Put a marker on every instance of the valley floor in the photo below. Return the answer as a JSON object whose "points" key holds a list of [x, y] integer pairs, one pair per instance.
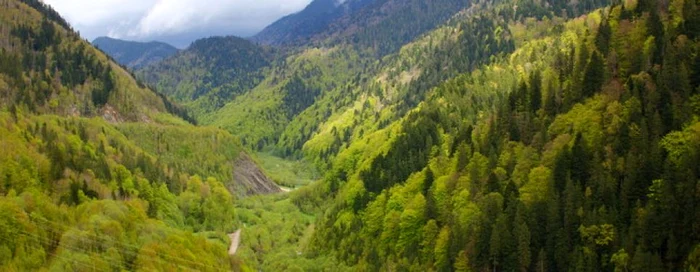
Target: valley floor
{"points": [[289, 174], [274, 232]]}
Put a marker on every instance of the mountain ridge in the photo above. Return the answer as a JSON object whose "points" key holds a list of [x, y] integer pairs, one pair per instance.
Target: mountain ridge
{"points": [[135, 55], [297, 28], [210, 72]]}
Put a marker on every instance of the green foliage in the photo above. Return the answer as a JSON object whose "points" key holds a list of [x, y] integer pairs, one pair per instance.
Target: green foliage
{"points": [[506, 139], [178, 147], [105, 234], [385, 26], [562, 167], [47, 12], [210, 73], [81, 195], [260, 116], [288, 173], [50, 69], [276, 236]]}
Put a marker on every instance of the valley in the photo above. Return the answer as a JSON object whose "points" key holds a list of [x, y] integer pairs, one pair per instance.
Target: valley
{"points": [[358, 135]]}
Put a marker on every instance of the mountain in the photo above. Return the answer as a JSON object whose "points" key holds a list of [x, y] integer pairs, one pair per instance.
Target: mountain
{"points": [[498, 135], [299, 74], [380, 26], [98, 172], [50, 70], [555, 136], [299, 27], [211, 72], [134, 55], [563, 152], [384, 26]]}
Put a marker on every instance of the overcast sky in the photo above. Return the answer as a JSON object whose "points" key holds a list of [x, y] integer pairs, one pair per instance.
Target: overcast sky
{"points": [[178, 22]]}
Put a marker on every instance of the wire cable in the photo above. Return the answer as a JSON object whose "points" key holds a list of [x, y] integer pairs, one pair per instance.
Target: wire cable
{"points": [[112, 261], [136, 250]]}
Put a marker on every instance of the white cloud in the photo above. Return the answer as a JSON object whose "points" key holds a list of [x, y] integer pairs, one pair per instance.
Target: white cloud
{"points": [[175, 21]]}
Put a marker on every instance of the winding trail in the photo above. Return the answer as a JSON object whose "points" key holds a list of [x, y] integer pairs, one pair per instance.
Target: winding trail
{"points": [[235, 241]]}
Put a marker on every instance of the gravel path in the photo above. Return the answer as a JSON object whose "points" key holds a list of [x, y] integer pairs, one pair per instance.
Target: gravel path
{"points": [[235, 241]]}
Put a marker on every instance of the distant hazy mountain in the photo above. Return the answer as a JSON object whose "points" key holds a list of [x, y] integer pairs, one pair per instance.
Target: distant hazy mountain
{"points": [[135, 54], [299, 27]]}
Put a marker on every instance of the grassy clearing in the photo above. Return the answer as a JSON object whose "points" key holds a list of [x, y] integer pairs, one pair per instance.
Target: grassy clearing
{"points": [[288, 173]]}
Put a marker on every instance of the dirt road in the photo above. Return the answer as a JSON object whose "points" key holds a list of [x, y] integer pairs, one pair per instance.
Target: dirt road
{"points": [[235, 241]]}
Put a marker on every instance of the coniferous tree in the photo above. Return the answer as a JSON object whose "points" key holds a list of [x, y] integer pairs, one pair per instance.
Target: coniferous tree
{"points": [[535, 91], [594, 76]]}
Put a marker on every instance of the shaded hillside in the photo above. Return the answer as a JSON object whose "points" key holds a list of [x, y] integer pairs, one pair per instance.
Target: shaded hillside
{"points": [[384, 26], [300, 27], [380, 26], [210, 72], [134, 55], [297, 82]]}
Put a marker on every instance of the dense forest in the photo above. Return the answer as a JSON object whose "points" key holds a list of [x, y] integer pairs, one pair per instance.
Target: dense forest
{"points": [[211, 72], [575, 152], [498, 135], [97, 172]]}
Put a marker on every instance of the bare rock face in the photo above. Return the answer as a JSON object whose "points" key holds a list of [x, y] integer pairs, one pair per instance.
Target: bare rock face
{"points": [[250, 179], [111, 115]]}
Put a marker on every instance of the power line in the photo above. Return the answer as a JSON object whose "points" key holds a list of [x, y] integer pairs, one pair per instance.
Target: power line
{"points": [[135, 249], [42, 239], [112, 261]]}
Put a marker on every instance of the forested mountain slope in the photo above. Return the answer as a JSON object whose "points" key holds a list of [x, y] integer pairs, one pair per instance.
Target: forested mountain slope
{"points": [[49, 69], [211, 72], [304, 75], [368, 94], [450, 135], [549, 137], [376, 26], [96, 173], [349, 64], [541, 138], [574, 152], [189, 76], [384, 26], [134, 54]]}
